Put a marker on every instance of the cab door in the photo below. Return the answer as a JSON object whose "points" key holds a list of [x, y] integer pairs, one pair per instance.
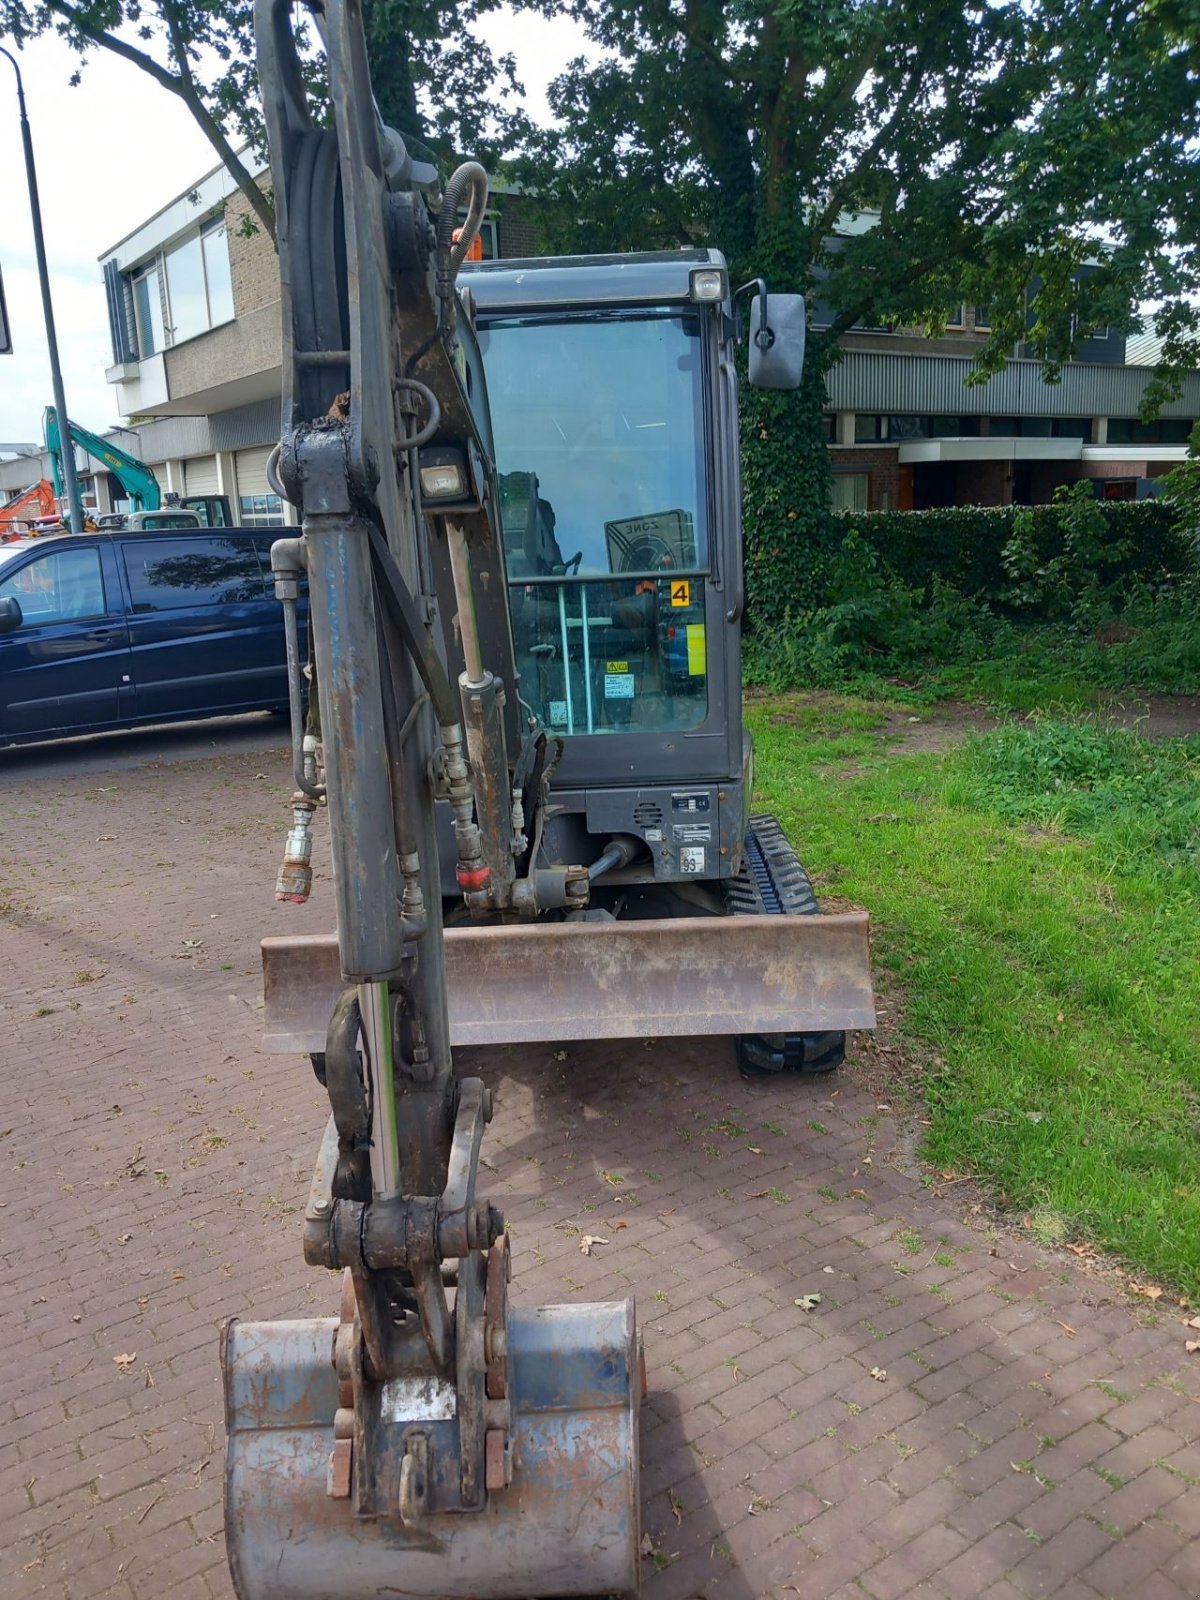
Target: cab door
{"points": [[62, 668]]}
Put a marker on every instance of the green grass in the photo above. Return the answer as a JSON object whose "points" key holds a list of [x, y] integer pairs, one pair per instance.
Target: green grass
{"points": [[1034, 898]]}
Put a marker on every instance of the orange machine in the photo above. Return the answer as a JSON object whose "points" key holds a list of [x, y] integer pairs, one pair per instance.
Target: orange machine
{"points": [[24, 507]]}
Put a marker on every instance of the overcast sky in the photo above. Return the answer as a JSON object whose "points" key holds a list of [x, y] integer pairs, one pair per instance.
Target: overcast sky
{"points": [[109, 154]]}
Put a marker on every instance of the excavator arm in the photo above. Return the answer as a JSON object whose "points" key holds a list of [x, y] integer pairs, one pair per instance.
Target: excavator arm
{"points": [[37, 501], [135, 477], [427, 1441]]}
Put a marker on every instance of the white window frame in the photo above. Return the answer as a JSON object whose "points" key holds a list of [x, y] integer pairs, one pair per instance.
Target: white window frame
{"points": [[147, 269], [157, 264]]}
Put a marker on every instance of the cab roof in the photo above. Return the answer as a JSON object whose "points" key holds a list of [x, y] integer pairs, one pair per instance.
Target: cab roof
{"points": [[648, 277]]}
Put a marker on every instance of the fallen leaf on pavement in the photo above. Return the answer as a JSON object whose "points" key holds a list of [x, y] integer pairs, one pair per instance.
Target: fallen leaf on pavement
{"points": [[808, 1302], [879, 1374], [124, 1362], [1191, 1346], [588, 1240]]}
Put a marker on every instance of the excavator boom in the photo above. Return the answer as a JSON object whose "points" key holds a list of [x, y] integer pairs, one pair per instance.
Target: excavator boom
{"points": [[426, 1441], [135, 477]]}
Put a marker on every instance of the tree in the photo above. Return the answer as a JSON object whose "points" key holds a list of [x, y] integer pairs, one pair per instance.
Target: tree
{"points": [[995, 148], [173, 42], [894, 157], [435, 81]]}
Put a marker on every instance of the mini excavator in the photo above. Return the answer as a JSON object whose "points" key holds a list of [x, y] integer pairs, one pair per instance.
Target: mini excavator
{"points": [[521, 547]]}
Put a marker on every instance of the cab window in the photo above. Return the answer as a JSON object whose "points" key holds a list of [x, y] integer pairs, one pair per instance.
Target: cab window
{"points": [[60, 586]]}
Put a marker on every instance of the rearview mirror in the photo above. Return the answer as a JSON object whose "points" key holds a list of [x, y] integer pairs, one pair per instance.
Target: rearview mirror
{"points": [[777, 324], [11, 615]]}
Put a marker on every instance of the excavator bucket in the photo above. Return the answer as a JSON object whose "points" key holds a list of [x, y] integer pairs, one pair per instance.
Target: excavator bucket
{"points": [[608, 980], [565, 1524]]}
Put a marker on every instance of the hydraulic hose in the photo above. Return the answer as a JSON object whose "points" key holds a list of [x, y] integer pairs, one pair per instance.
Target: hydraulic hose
{"points": [[618, 852], [470, 176]]}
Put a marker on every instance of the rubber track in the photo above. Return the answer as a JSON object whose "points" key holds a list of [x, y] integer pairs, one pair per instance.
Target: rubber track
{"points": [[772, 882]]}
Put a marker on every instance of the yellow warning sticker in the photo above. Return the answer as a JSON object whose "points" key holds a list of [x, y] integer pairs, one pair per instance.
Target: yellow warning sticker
{"points": [[616, 666], [697, 661], [681, 594]]}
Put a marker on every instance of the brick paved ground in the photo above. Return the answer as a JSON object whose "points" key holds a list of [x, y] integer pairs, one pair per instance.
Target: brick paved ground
{"points": [[156, 1163]]}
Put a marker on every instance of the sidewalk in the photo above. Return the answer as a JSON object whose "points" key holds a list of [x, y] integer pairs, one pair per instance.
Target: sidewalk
{"points": [[945, 1423]]}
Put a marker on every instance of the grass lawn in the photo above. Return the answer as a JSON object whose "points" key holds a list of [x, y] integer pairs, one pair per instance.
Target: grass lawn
{"points": [[1034, 895]]}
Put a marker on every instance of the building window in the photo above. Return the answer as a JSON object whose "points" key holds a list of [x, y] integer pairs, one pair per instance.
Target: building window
{"points": [[1071, 428], [198, 290], [199, 287], [983, 320], [869, 429], [1167, 430], [851, 491], [147, 308], [488, 235], [957, 318], [260, 511], [953, 427], [214, 241], [829, 423]]}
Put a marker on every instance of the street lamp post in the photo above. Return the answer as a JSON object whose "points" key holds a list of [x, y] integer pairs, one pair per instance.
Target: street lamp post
{"points": [[67, 449]]}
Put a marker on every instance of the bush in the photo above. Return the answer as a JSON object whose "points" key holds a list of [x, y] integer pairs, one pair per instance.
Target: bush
{"points": [[1042, 603], [962, 548]]}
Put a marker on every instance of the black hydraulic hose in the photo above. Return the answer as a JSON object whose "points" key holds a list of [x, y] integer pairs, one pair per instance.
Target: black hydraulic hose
{"points": [[618, 852]]}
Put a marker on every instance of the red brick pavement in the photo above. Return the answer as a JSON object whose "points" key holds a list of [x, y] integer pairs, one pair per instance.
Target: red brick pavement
{"points": [[156, 1164]]}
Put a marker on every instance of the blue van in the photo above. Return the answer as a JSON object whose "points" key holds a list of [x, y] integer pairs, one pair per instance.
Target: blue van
{"points": [[115, 630]]}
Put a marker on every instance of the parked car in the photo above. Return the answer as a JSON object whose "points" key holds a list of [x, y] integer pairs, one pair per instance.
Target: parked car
{"points": [[114, 630]]}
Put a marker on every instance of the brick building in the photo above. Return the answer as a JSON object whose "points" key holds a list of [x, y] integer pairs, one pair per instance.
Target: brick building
{"points": [[906, 431], [193, 297]]}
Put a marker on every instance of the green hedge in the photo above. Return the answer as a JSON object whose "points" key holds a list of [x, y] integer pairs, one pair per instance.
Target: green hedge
{"points": [[793, 571]]}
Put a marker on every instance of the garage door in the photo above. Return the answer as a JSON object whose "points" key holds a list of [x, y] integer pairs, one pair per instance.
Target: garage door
{"points": [[200, 475], [257, 506], [252, 470]]}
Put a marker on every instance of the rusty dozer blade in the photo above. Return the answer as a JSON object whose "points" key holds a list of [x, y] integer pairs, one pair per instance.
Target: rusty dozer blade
{"points": [[607, 980], [566, 1525]]}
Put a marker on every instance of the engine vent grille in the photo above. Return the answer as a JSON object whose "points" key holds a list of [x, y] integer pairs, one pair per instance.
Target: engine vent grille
{"points": [[647, 814]]}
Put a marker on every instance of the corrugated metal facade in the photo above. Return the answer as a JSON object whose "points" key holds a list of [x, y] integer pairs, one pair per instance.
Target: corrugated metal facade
{"points": [[912, 385], [172, 439], [245, 426]]}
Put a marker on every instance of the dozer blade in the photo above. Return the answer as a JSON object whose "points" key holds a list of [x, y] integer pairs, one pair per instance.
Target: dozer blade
{"points": [[567, 1523], [607, 980]]}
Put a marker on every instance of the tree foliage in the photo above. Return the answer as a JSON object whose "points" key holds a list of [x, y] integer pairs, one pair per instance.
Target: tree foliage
{"points": [[894, 159], [435, 80], [995, 148]]}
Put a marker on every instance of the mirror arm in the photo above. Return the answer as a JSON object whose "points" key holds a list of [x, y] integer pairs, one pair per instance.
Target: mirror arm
{"points": [[764, 338]]}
